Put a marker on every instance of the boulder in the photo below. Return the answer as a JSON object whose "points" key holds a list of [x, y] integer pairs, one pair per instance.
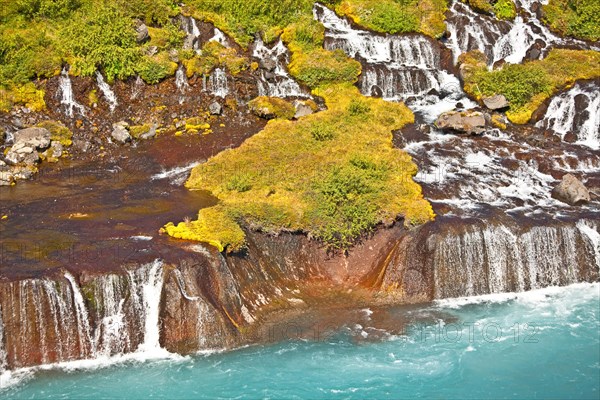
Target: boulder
{"points": [[495, 102], [302, 109], [570, 137], [56, 149], [268, 64], [571, 190], [22, 153], [6, 178], [215, 108], [37, 138], [142, 34], [23, 173], [150, 134], [120, 132], [471, 122]]}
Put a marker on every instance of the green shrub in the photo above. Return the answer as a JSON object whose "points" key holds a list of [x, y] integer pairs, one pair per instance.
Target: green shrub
{"points": [[578, 18], [397, 16], [240, 182], [505, 9], [52, 9], [322, 132], [102, 38], [358, 107], [272, 107], [156, 68]]}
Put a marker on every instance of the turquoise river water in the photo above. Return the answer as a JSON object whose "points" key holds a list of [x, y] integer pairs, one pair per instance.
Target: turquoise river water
{"points": [[540, 344]]}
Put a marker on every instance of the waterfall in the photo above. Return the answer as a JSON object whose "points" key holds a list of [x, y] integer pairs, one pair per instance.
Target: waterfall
{"points": [[3, 360], [146, 288], [61, 320], [112, 335], [82, 318], [67, 97], [590, 230], [190, 27], [219, 37], [182, 83], [578, 111], [495, 259], [395, 67], [106, 90], [501, 40], [217, 83], [275, 82], [137, 88]]}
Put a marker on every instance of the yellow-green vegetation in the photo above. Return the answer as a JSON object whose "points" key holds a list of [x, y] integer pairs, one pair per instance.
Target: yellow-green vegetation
{"points": [[334, 175], [242, 19], [93, 97], [502, 9], [27, 95], [211, 227], [272, 107], [138, 130], [59, 132], [214, 55], [498, 121], [578, 18], [526, 86], [196, 125], [38, 36], [153, 69], [397, 16]]}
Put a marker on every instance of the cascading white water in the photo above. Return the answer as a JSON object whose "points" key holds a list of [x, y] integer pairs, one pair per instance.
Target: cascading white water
{"points": [[137, 88], [397, 67], [106, 90], [146, 288], [500, 40], [218, 84], [190, 27], [112, 334], [3, 359], [182, 83], [276, 83], [219, 37], [67, 96], [86, 345], [576, 110], [496, 259], [590, 230]]}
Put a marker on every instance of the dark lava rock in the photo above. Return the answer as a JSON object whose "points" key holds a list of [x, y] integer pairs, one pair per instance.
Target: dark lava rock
{"points": [[570, 137]]}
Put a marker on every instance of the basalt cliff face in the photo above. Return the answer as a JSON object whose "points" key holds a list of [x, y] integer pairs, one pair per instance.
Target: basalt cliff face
{"points": [[114, 286], [209, 301]]}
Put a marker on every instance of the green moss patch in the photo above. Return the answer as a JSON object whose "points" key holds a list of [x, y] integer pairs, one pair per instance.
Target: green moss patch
{"points": [[59, 132], [272, 107]]}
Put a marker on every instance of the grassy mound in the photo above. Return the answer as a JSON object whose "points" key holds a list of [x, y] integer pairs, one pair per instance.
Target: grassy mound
{"points": [[528, 85], [397, 16], [333, 175], [579, 18], [502, 9]]}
